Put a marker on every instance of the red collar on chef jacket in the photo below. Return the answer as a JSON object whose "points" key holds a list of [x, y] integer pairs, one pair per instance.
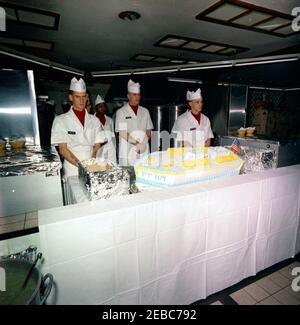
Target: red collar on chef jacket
{"points": [[197, 117], [102, 118], [134, 108], [80, 115]]}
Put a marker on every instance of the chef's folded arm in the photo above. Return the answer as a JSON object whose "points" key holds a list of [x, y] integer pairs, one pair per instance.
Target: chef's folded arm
{"points": [[126, 136]]}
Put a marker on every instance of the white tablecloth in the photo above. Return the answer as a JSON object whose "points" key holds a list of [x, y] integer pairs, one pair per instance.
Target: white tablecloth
{"points": [[172, 246], [75, 193]]}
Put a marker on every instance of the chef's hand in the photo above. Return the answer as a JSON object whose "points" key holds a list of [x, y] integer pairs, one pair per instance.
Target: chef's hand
{"points": [[140, 148]]}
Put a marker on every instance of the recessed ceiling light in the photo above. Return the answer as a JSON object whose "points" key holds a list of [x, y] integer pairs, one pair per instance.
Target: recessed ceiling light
{"points": [[129, 15]]}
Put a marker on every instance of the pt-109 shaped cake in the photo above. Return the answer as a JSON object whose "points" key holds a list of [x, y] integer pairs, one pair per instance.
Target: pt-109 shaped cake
{"points": [[181, 166]]}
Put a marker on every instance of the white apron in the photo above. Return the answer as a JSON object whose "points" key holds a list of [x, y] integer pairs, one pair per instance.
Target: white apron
{"points": [[80, 140], [136, 126]]}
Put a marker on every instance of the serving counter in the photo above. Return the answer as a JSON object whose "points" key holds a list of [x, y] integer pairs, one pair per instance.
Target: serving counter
{"points": [[171, 246], [29, 180]]}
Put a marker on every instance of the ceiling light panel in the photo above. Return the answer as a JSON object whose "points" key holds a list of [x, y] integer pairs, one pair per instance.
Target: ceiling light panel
{"points": [[226, 12], [163, 60], [213, 48], [144, 58], [199, 46], [35, 18], [228, 51], [39, 45], [173, 42], [27, 43], [273, 23], [252, 18], [23, 15], [245, 15], [11, 41], [285, 30], [194, 45]]}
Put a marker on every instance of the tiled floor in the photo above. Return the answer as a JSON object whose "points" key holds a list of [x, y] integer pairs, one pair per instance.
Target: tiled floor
{"points": [[18, 223], [269, 287]]}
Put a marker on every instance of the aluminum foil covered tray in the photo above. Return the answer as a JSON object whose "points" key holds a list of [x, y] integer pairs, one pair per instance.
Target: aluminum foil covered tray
{"points": [[257, 160], [29, 161], [102, 180]]}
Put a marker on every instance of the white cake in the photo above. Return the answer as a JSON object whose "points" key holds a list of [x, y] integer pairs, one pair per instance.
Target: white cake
{"points": [[181, 166]]}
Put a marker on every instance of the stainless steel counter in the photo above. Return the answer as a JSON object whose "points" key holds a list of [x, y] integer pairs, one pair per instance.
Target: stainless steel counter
{"points": [[29, 180], [29, 161], [287, 150]]}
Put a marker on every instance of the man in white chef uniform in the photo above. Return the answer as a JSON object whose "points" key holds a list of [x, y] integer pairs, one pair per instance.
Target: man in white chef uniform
{"points": [[77, 134], [192, 128], [108, 149], [134, 125]]}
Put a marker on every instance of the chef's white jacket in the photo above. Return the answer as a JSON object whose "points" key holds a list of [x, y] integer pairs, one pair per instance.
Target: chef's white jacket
{"points": [[108, 151], [136, 126], [80, 140], [187, 128]]}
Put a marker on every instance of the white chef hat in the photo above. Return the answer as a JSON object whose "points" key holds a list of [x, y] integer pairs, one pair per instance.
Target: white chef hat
{"points": [[78, 85], [99, 100], [133, 87], [193, 95]]}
